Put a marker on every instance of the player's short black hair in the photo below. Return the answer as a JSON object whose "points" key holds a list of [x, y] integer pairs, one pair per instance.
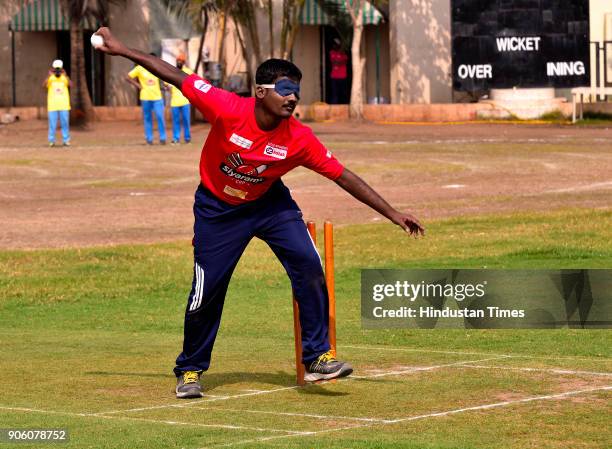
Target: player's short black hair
{"points": [[271, 69]]}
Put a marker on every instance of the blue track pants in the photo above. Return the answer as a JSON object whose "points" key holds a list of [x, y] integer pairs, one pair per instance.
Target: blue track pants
{"points": [[181, 113], [221, 234], [64, 119], [150, 108]]}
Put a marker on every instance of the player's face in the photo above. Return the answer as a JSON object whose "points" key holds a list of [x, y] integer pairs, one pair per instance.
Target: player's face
{"points": [[279, 105]]}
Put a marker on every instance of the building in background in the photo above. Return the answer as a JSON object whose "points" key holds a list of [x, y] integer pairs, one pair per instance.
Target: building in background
{"points": [[407, 44]]}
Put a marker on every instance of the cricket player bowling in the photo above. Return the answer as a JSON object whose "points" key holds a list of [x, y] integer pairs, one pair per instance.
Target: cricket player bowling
{"points": [[252, 143]]}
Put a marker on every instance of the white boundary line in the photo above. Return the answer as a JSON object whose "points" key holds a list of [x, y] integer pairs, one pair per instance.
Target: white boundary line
{"points": [[548, 370], [155, 421], [434, 351], [428, 415]]}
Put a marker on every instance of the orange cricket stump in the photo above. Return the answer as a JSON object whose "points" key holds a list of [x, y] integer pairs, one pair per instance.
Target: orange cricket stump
{"points": [[328, 237]]}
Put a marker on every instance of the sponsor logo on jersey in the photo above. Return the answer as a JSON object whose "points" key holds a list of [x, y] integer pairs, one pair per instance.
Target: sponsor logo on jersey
{"points": [[329, 154], [276, 151], [202, 86], [241, 141], [235, 192], [242, 172]]}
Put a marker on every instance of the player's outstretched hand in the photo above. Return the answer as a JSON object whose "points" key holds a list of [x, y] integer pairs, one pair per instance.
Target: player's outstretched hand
{"points": [[409, 223], [112, 45]]}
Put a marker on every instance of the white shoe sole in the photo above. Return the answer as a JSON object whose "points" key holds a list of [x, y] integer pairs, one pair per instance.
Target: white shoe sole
{"points": [[189, 395], [344, 371]]}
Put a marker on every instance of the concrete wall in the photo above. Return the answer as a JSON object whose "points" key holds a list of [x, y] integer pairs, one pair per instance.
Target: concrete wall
{"points": [[34, 53], [7, 9], [420, 46], [307, 56], [598, 10]]}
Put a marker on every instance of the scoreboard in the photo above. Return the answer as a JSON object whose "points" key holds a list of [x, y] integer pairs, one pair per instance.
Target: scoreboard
{"points": [[519, 43]]}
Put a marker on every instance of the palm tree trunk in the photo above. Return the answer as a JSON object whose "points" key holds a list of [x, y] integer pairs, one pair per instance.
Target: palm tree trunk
{"points": [[271, 27], [284, 28], [221, 59], [201, 46], [293, 20], [82, 107], [249, 70]]}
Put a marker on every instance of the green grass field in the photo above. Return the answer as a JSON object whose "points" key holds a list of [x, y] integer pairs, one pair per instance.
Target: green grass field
{"points": [[89, 338]]}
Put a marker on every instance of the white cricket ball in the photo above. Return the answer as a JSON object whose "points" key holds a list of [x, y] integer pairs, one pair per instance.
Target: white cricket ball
{"points": [[96, 40]]}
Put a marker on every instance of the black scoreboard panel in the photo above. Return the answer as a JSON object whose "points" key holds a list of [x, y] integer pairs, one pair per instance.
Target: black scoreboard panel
{"points": [[520, 43]]}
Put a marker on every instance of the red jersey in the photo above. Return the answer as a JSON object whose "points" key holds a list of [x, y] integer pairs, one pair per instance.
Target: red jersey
{"points": [[240, 161]]}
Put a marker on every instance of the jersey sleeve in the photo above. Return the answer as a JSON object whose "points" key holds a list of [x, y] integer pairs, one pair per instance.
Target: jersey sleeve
{"points": [[211, 101], [134, 72], [320, 159]]}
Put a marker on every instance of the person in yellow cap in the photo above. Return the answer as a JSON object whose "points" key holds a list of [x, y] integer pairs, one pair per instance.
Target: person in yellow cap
{"points": [[57, 84], [181, 109], [151, 100]]}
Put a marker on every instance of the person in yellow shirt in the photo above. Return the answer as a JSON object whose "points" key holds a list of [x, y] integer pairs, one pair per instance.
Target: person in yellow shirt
{"points": [[151, 100], [57, 84], [180, 107]]}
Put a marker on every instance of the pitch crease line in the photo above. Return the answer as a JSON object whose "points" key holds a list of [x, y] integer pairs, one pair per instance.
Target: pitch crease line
{"points": [[504, 403], [204, 400], [434, 351], [425, 416], [549, 370], [423, 368]]}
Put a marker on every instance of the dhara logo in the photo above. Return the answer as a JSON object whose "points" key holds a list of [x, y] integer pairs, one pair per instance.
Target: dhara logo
{"points": [[275, 151], [202, 86]]}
